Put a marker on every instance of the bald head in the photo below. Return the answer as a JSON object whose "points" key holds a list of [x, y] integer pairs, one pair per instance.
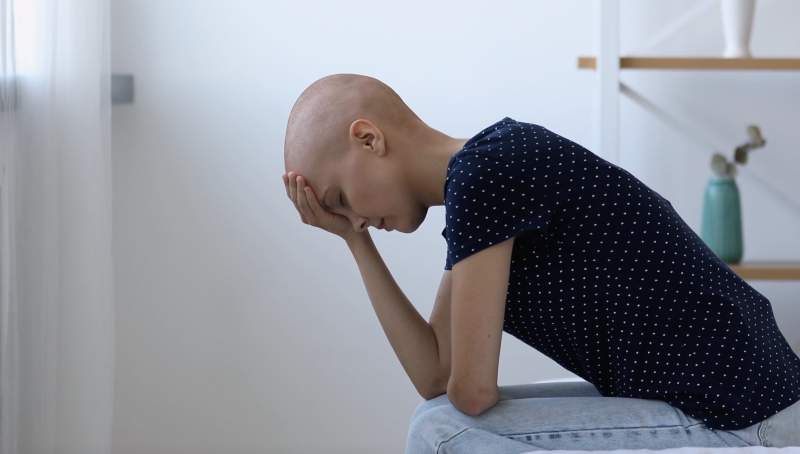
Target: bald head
{"points": [[319, 124]]}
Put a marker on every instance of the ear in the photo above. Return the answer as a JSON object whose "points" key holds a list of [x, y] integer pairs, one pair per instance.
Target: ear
{"points": [[366, 136]]}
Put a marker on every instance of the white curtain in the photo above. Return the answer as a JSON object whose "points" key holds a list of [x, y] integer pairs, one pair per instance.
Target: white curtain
{"points": [[56, 277]]}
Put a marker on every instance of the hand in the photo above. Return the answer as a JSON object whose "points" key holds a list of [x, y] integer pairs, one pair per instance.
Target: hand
{"points": [[311, 212]]}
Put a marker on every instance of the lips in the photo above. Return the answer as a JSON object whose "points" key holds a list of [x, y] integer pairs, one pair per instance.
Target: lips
{"points": [[382, 225]]}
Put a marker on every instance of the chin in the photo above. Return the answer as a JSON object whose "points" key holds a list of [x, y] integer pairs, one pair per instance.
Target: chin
{"points": [[416, 221]]}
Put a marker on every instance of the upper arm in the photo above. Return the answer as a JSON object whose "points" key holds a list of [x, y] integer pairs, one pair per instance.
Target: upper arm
{"points": [[479, 289]]}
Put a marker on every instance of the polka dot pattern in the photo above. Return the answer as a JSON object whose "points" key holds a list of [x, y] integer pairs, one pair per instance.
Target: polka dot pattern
{"points": [[608, 280]]}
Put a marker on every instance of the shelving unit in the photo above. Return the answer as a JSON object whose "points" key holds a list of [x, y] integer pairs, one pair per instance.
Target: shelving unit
{"points": [[768, 271], [699, 63], [605, 126]]}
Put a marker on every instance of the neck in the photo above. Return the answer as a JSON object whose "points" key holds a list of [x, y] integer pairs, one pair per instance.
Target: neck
{"points": [[431, 152]]}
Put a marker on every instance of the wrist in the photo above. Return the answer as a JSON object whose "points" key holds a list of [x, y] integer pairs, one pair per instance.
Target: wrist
{"points": [[356, 239]]}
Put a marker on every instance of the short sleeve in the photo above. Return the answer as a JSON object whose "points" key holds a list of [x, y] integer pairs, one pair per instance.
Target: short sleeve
{"points": [[447, 264], [490, 200]]}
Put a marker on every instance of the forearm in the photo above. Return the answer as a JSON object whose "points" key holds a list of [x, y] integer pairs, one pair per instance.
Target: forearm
{"points": [[412, 338]]}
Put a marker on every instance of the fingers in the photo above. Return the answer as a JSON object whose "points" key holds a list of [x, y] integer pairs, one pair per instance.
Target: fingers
{"points": [[311, 210], [313, 203], [286, 184], [291, 182], [302, 202], [292, 177], [305, 200]]}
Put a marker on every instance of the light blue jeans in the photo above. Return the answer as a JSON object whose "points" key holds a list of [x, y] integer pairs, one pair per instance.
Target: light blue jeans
{"points": [[574, 416]]}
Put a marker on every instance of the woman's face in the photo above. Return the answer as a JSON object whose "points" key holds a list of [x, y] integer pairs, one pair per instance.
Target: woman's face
{"points": [[369, 190]]}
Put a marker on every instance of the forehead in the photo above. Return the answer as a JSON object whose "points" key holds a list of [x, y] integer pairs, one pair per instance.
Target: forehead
{"points": [[329, 172], [321, 177], [309, 164]]}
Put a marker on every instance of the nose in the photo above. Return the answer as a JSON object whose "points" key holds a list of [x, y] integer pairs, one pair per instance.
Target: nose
{"points": [[360, 223]]}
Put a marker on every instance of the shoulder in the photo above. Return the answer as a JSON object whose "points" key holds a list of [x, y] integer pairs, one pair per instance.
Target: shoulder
{"points": [[506, 136], [508, 153], [470, 175], [514, 143]]}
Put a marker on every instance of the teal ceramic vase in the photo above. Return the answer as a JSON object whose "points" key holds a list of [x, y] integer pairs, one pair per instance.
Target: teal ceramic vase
{"points": [[722, 219]]}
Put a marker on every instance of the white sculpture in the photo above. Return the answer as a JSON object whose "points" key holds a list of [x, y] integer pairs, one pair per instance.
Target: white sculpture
{"points": [[737, 24]]}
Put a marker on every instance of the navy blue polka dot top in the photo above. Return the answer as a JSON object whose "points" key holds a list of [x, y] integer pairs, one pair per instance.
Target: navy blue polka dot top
{"points": [[608, 280]]}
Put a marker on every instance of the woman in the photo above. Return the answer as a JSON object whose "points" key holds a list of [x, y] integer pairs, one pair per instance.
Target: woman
{"points": [[561, 249]]}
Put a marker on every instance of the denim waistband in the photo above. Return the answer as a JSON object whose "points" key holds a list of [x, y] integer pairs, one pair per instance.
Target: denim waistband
{"points": [[778, 431]]}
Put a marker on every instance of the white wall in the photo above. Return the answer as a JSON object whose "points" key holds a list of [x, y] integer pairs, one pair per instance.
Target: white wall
{"points": [[241, 330]]}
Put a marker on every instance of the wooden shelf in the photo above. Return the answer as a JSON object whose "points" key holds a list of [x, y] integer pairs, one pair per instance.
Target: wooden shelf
{"points": [[768, 271], [702, 63]]}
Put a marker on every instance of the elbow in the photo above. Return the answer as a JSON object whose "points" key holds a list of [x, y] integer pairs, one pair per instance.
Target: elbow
{"points": [[432, 390], [473, 407], [429, 394], [473, 400]]}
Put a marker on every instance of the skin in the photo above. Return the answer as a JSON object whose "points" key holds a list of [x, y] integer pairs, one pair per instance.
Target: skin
{"points": [[357, 157]]}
